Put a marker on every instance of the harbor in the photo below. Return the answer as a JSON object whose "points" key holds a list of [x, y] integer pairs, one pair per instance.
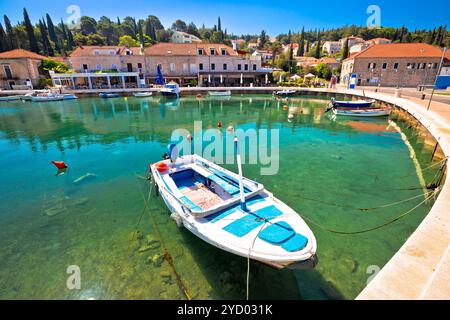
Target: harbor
{"points": [[109, 127]]}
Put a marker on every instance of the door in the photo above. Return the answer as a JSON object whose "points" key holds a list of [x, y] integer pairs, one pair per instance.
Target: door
{"points": [[129, 67]]}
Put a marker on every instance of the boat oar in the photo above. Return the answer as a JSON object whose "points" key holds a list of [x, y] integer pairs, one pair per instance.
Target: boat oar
{"points": [[241, 183]]}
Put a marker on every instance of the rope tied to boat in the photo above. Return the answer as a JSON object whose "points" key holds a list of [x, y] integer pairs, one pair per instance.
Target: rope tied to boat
{"points": [[376, 227], [166, 253]]}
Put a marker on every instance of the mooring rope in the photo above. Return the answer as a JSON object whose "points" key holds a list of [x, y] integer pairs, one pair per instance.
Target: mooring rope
{"points": [[166, 253], [369, 229]]}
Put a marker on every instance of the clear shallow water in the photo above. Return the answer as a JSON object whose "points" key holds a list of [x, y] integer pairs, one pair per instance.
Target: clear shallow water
{"points": [[48, 223]]}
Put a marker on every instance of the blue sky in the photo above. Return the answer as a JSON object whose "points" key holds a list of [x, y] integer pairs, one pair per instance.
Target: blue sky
{"points": [[246, 16]]}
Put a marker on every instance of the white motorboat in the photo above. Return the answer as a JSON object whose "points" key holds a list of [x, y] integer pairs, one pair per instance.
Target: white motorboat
{"points": [[220, 93], [285, 93], [170, 90], [47, 97], [142, 94], [370, 112], [69, 96], [352, 104], [233, 213]]}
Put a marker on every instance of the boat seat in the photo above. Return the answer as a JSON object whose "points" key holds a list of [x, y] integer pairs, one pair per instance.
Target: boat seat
{"points": [[295, 243], [277, 233], [223, 184], [227, 211], [252, 220], [186, 201]]}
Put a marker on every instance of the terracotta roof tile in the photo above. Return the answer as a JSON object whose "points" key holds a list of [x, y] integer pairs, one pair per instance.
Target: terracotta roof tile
{"points": [[21, 53], [187, 49], [83, 51], [400, 50]]}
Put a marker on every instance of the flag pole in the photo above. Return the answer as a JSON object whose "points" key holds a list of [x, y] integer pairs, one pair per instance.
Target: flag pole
{"points": [[435, 80]]}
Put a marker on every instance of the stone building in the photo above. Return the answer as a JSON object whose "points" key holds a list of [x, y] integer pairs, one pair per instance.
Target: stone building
{"points": [[398, 64]]}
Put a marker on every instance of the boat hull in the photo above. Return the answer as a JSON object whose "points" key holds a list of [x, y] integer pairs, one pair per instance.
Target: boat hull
{"points": [[219, 93], [108, 95], [10, 98], [353, 104], [46, 99], [363, 113], [285, 93], [249, 245], [142, 94]]}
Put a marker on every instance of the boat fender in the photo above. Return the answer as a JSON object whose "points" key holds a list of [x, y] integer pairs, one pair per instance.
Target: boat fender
{"points": [[162, 167], [59, 164], [177, 218], [219, 124]]}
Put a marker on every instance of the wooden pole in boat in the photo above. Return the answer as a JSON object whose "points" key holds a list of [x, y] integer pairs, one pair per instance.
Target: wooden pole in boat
{"points": [[241, 183]]}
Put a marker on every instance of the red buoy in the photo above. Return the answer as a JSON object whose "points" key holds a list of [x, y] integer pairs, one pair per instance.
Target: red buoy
{"points": [[219, 124], [59, 164]]}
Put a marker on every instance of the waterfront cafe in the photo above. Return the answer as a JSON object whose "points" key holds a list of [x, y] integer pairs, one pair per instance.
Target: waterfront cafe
{"points": [[98, 80]]}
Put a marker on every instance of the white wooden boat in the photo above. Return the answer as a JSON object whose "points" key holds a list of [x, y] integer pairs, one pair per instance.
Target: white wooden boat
{"points": [[352, 104], [108, 95], [285, 92], [371, 112], [69, 96], [220, 93], [10, 98], [170, 90], [142, 94], [233, 213], [47, 97]]}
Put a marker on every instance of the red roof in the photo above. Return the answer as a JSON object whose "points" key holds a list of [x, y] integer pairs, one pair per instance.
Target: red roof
{"points": [[21, 53], [400, 50]]}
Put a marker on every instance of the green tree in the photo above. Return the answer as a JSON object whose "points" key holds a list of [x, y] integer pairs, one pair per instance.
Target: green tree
{"points": [[345, 50], [192, 29], [88, 25], [318, 48], [301, 45], [219, 25], [52, 32], [30, 31], [128, 41], [324, 71], [10, 37], [52, 65], [262, 39], [4, 46], [46, 47], [179, 25]]}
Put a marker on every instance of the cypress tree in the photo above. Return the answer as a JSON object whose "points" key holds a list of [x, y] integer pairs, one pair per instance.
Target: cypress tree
{"points": [[118, 21], [345, 52], [10, 37], [46, 47], [307, 46], [3, 40], [219, 25], [70, 42], [64, 31], [52, 32], [30, 32], [301, 48], [317, 54], [438, 36]]}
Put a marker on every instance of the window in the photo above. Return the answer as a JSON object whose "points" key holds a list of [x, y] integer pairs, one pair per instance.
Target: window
{"points": [[372, 66], [85, 66], [239, 67], [430, 65], [140, 65], [8, 72], [422, 65], [396, 66], [172, 67], [246, 67], [200, 52], [213, 66], [99, 67], [113, 67], [384, 66], [435, 66], [96, 52], [410, 66], [200, 66], [212, 51], [254, 67], [223, 52], [225, 67]]}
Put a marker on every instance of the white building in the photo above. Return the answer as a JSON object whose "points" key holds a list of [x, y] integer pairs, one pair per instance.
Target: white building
{"points": [[332, 47], [183, 37]]}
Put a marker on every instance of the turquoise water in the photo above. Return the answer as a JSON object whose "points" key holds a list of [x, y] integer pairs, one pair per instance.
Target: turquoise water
{"points": [[327, 168]]}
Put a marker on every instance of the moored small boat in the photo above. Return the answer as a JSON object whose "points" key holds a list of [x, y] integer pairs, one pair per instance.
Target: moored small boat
{"points": [[142, 94], [285, 93], [108, 95], [47, 97], [10, 98], [220, 93], [170, 90], [352, 104], [371, 112], [69, 96], [233, 213]]}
